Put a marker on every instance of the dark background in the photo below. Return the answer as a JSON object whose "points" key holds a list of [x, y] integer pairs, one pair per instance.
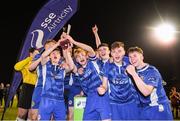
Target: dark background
{"points": [[124, 20]]}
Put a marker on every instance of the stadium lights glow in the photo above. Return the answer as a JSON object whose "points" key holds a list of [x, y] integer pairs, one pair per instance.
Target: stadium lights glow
{"points": [[165, 33]]}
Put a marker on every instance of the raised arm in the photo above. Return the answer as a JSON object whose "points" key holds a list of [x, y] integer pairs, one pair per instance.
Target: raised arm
{"points": [[68, 59], [34, 64], [96, 35], [82, 45]]}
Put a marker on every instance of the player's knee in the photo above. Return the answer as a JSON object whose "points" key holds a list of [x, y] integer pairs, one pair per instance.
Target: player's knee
{"points": [[34, 115], [22, 114]]}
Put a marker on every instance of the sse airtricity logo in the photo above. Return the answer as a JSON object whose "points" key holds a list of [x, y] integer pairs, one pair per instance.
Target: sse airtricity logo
{"points": [[37, 37]]}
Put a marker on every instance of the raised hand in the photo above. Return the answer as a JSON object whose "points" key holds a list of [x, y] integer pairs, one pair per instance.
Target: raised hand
{"points": [[95, 29]]}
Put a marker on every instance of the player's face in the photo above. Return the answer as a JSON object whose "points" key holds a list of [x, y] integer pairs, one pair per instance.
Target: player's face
{"points": [[118, 54], [81, 58], [104, 52], [136, 59], [55, 56]]}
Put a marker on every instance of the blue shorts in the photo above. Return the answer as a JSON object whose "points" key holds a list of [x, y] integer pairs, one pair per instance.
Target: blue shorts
{"points": [[36, 98], [53, 107], [97, 107], [127, 111], [159, 112], [73, 91]]}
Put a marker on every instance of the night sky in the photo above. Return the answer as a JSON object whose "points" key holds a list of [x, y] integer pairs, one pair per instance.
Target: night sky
{"points": [[118, 20]]}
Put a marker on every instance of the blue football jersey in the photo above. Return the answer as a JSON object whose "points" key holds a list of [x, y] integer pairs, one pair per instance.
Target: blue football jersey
{"points": [[53, 81], [90, 79], [151, 76], [121, 89]]}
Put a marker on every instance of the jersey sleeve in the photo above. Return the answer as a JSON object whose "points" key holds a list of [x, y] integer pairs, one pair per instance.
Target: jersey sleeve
{"points": [[21, 64], [152, 78], [36, 57], [93, 58]]}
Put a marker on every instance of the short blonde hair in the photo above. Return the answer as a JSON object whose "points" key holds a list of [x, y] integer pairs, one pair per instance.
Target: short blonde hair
{"points": [[78, 50], [49, 41]]}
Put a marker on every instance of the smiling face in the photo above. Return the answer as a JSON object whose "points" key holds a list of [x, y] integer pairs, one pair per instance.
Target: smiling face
{"points": [[136, 56], [118, 54], [117, 51], [103, 52]]}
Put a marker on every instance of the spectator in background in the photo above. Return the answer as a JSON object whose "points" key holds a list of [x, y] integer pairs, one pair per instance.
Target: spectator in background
{"points": [[6, 93], [175, 101], [1, 94]]}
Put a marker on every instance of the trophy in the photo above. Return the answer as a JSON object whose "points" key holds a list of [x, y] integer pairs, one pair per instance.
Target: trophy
{"points": [[64, 44]]}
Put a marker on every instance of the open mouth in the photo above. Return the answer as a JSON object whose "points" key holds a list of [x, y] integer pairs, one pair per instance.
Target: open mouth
{"points": [[133, 62], [103, 54], [117, 58], [82, 61]]}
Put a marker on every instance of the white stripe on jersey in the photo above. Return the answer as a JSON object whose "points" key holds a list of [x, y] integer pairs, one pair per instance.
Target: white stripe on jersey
{"points": [[154, 98], [143, 68], [44, 74], [70, 80], [96, 66]]}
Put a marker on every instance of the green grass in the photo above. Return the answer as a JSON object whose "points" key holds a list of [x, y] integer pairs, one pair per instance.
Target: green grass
{"points": [[11, 112]]}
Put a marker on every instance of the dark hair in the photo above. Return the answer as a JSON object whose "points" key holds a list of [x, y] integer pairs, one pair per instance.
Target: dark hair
{"points": [[135, 49], [103, 45], [32, 49]]}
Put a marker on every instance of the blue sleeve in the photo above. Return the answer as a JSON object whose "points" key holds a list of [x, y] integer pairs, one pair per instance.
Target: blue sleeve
{"points": [[152, 78], [126, 59], [36, 57], [93, 58]]}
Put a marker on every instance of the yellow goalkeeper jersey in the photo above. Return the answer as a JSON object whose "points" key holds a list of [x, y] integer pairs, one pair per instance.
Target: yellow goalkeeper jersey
{"points": [[28, 76]]}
